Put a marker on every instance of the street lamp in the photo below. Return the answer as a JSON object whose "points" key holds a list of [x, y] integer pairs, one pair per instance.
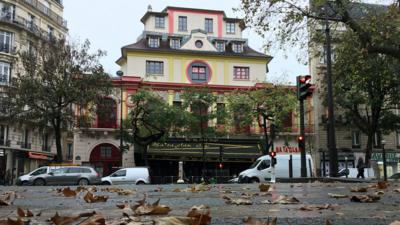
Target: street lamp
{"points": [[383, 142], [120, 74]]}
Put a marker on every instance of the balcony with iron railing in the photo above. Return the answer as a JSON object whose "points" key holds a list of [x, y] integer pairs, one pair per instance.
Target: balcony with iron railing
{"points": [[25, 24], [47, 11]]}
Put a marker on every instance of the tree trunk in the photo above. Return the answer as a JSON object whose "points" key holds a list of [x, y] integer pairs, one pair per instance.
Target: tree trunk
{"points": [[57, 134], [368, 150], [145, 159]]}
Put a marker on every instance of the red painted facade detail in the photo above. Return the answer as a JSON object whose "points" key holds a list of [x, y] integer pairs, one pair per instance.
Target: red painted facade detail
{"points": [[105, 158], [170, 21], [219, 26]]}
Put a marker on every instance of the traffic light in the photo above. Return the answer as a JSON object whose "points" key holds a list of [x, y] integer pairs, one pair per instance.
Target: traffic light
{"points": [[273, 157], [302, 143], [221, 165], [303, 87]]}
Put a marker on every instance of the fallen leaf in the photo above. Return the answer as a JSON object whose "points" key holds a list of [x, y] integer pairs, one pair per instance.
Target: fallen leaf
{"points": [[201, 214], [379, 193], [90, 198], [267, 201], [176, 190], [337, 195], [11, 222], [264, 187], [158, 189], [96, 219], [359, 189], [67, 192], [174, 221], [284, 199], [328, 222], [153, 209], [251, 221], [64, 220], [7, 198], [122, 206], [22, 213], [395, 223], [364, 198], [382, 185], [339, 214], [307, 208], [237, 201]]}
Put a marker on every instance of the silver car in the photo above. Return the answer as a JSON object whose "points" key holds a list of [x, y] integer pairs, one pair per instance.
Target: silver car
{"points": [[61, 175]]}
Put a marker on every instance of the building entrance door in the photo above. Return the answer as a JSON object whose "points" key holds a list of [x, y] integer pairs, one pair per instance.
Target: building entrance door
{"points": [[105, 158]]}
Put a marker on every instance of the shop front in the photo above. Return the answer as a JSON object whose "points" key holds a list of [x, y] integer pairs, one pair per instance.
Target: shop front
{"points": [[392, 163], [222, 158]]}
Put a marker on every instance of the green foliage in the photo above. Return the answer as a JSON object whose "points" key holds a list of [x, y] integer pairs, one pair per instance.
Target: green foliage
{"points": [[53, 78], [285, 22], [366, 88], [275, 102]]}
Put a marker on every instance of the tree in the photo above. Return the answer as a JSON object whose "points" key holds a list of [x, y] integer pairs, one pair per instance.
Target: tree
{"points": [[152, 119], [54, 77], [272, 103], [366, 89], [201, 104], [375, 27]]}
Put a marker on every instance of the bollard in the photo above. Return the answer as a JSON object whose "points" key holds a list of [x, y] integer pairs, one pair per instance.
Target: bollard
{"points": [[346, 171], [290, 167]]}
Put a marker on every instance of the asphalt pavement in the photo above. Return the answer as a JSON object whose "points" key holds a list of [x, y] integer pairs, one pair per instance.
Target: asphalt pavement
{"points": [[310, 195]]}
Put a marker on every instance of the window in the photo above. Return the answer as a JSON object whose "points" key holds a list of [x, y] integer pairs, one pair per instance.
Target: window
{"points": [[39, 171], [182, 23], [154, 42], [85, 170], [69, 151], [237, 47], [58, 171], [50, 31], [241, 73], [230, 28], [5, 72], [46, 7], [119, 173], [2, 135], [154, 67], [6, 11], [208, 26], [220, 46], [5, 41], [377, 140], [263, 165], [74, 170], [175, 43], [45, 142], [177, 100], [160, 22], [220, 113], [199, 44], [27, 137], [398, 138], [105, 151], [355, 139], [199, 72]]}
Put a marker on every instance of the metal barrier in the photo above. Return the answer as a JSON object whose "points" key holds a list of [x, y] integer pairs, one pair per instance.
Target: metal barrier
{"points": [[190, 179]]}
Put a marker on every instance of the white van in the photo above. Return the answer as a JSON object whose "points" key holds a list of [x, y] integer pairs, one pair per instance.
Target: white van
{"points": [[261, 169], [135, 175]]}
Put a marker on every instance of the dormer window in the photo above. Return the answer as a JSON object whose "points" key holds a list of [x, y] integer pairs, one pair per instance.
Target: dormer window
{"points": [[230, 28], [237, 47], [175, 43], [220, 46], [154, 42], [160, 22]]}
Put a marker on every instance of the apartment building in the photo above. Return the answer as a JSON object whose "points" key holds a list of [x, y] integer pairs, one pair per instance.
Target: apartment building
{"points": [[350, 141], [22, 23], [182, 48]]}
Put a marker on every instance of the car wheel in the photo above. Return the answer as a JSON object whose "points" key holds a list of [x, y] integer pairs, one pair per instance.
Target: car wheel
{"points": [[105, 183], [39, 182], [140, 183], [254, 180], [83, 182], [24, 183]]}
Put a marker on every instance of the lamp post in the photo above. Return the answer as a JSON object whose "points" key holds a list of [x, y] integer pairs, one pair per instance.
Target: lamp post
{"points": [[121, 147], [383, 142]]}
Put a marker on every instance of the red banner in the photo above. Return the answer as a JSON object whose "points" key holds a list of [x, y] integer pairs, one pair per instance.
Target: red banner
{"points": [[286, 149]]}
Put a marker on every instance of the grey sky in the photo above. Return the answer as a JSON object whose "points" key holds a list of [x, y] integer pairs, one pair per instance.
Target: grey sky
{"points": [[111, 24]]}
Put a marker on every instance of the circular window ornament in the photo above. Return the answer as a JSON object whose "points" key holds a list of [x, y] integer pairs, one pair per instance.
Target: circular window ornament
{"points": [[199, 44], [198, 72]]}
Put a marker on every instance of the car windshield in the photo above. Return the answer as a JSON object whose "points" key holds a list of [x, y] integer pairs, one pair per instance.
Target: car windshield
{"points": [[255, 164], [39, 171]]}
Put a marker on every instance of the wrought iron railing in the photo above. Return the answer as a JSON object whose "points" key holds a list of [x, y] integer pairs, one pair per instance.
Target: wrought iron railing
{"points": [[46, 10]]}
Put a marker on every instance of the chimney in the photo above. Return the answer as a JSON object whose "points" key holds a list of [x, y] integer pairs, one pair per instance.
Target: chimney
{"points": [[149, 8]]}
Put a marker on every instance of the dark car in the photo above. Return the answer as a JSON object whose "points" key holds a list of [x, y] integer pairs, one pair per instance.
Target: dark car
{"points": [[395, 176], [61, 175]]}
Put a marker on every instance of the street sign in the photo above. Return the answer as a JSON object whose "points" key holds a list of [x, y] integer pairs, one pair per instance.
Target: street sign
{"points": [[390, 157]]}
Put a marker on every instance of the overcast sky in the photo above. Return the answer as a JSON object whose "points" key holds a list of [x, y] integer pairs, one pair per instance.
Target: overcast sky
{"points": [[111, 24]]}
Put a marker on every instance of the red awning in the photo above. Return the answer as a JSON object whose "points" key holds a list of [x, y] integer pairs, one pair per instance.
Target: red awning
{"points": [[34, 155]]}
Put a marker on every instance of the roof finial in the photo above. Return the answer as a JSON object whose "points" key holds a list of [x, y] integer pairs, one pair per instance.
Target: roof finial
{"points": [[149, 8]]}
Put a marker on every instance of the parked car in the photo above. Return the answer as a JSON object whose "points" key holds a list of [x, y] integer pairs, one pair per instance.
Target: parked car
{"points": [[395, 176], [60, 175], [135, 175]]}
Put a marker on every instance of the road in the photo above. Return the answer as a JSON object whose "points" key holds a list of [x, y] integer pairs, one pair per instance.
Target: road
{"points": [[47, 201]]}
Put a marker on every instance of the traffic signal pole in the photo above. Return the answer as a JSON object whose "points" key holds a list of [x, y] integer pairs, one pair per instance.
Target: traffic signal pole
{"points": [[301, 142]]}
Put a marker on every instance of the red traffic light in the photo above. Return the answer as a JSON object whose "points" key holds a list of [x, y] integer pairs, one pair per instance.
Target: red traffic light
{"points": [[300, 138], [221, 165], [305, 79], [272, 154]]}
